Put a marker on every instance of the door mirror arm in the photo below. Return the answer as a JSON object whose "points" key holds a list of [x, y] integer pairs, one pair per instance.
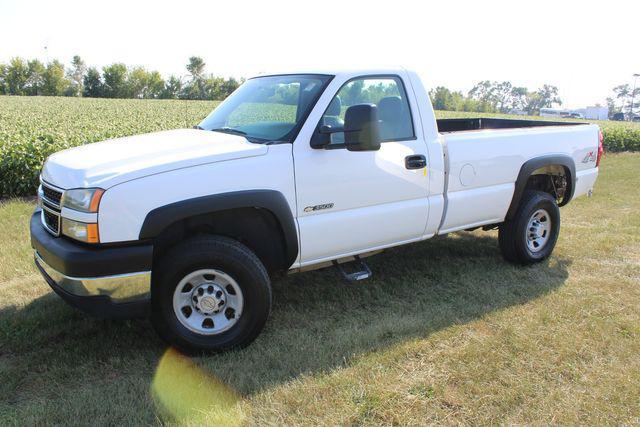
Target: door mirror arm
{"points": [[322, 136]]}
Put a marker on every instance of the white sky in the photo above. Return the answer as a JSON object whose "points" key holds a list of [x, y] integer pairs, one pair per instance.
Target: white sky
{"points": [[583, 47]]}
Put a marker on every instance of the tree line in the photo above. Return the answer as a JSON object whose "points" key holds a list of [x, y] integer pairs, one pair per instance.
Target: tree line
{"points": [[625, 99], [496, 97], [32, 77]]}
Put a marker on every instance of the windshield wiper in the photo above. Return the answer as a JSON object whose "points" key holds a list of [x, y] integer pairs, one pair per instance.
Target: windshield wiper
{"points": [[234, 131], [198, 127], [226, 129]]}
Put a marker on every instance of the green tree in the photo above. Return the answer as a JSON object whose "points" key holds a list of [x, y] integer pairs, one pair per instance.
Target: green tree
{"points": [[144, 84], [55, 83], [483, 92], [625, 96], [519, 97], [172, 88], [502, 96], [213, 88], [613, 107], [352, 92], [21, 77], [228, 86], [76, 76], [115, 81], [137, 82], [195, 67], [92, 84], [623, 93], [155, 85], [36, 77], [17, 75], [198, 86], [445, 99], [545, 97], [4, 90]]}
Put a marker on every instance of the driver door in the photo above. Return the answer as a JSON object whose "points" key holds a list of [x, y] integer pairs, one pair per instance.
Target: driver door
{"points": [[350, 202]]}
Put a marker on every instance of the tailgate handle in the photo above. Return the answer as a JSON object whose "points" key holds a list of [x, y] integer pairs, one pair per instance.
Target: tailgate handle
{"points": [[417, 161]]}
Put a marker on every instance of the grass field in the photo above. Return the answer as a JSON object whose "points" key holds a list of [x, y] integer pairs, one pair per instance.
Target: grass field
{"points": [[32, 128], [445, 332]]}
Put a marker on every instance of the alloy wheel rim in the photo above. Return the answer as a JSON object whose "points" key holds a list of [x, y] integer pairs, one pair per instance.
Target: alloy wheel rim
{"points": [[208, 302]]}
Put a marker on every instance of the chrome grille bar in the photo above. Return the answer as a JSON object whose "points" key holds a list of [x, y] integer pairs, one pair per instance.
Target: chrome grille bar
{"points": [[51, 206]]}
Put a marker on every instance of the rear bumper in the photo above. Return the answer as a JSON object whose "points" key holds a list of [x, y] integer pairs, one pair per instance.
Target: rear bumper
{"points": [[103, 281], [585, 180]]}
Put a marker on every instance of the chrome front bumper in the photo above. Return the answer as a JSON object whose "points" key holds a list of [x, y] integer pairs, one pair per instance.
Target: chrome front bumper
{"points": [[119, 289]]}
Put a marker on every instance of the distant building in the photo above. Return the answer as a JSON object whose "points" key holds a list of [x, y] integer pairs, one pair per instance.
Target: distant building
{"points": [[597, 113], [555, 112], [589, 113]]}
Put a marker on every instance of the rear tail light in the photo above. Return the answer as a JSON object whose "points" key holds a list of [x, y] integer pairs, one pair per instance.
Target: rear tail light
{"points": [[600, 148]]}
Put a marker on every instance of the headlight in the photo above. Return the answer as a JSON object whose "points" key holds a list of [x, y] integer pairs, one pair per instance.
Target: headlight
{"points": [[82, 199], [80, 231]]}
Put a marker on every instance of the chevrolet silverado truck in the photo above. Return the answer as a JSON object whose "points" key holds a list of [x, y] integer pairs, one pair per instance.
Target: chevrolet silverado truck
{"points": [[292, 172]]}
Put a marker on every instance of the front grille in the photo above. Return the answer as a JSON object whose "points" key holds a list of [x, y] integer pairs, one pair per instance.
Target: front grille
{"points": [[51, 207], [51, 221], [51, 195]]}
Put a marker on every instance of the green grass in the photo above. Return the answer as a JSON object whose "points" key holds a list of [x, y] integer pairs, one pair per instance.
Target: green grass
{"points": [[445, 332]]}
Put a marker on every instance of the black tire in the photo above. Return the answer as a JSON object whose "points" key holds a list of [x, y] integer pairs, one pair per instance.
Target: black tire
{"points": [[512, 234], [219, 253]]}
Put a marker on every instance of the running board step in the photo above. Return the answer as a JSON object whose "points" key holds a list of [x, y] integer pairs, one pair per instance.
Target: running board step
{"points": [[363, 274]]}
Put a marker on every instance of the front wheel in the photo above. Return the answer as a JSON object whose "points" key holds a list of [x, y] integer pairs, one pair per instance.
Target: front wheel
{"points": [[210, 294], [532, 233]]}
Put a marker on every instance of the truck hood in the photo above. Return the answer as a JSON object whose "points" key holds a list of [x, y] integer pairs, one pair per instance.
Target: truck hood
{"points": [[105, 164]]}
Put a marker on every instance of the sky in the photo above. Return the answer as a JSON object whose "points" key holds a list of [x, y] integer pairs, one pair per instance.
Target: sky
{"points": [[583, 47]]}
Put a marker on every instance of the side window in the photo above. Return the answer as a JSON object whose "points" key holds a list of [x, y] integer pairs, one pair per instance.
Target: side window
{"points": [[387, 93]]}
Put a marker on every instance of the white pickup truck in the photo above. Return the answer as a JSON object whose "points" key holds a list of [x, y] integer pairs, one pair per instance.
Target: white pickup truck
{"points": [[292, 172]]}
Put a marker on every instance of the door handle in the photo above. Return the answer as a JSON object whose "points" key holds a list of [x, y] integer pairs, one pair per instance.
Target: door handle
{"points": [[416, 161]]}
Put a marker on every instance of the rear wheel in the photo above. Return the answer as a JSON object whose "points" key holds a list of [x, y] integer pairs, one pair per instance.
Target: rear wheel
{"points": [[531, 234], [210, 294]]}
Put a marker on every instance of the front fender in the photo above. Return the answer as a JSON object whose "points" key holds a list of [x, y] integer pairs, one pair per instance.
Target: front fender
{"points": [[160, 218]]}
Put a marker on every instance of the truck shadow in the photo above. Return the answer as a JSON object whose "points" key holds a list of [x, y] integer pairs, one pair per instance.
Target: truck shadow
{"points": [[318, 322]]}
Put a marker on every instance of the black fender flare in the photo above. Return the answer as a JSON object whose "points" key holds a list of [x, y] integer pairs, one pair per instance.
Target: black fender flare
{"points": [[531, 166], [160, 218]]}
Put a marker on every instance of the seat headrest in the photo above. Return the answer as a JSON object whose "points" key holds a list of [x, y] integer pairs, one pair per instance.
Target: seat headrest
{"points": [[335, 107], [390, 108]]}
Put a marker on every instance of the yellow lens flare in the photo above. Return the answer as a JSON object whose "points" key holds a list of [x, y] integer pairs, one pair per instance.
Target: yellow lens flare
{"points": [[191, 395]]}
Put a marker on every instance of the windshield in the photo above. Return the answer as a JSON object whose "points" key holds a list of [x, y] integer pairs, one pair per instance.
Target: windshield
{"points": [[267, 109]]}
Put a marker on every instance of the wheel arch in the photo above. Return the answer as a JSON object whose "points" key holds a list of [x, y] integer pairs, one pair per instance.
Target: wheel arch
{"points": [[246, 204], [529, 168]]}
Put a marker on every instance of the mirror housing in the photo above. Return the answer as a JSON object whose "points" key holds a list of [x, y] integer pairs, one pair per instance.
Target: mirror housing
{"points": [[362, 128], [322, 137]]}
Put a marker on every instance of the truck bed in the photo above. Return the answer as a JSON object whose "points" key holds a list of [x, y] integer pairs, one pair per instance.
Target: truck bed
{"points": [[482, 123], [483, 166]]}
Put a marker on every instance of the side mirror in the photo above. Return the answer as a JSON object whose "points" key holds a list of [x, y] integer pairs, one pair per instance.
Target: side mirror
{"points": [[322, 137], [362, 128]]}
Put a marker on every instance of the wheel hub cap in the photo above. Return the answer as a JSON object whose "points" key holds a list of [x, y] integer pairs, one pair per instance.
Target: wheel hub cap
{"points": [[538, 230], [208, 301], [208, 298]]}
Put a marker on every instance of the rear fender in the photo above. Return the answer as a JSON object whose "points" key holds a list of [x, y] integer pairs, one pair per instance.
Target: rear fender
{"points": [[530, 166]]}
